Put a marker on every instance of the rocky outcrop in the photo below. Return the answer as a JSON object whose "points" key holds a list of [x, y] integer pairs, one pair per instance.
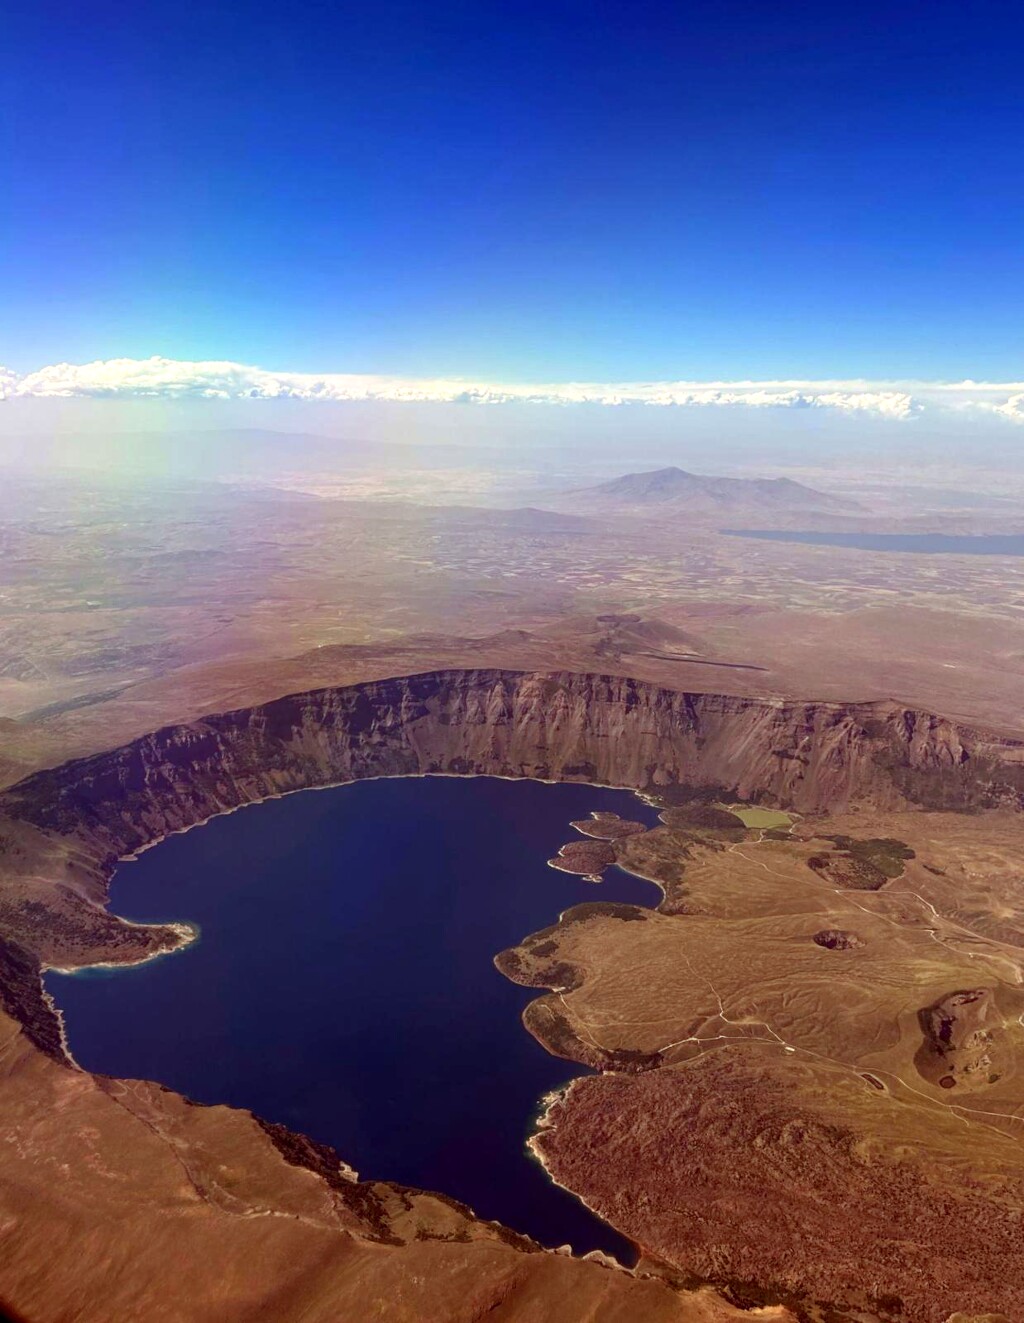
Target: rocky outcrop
{"points": [[962, 1034], [23, 999], [837, 939]]}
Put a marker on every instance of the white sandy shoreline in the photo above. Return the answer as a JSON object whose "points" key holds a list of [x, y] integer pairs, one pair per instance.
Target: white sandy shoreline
{"points": [[544, 1123]]}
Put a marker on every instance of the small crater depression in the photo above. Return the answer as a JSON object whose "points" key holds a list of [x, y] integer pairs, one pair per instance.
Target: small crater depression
{"points": [[837, 939]]}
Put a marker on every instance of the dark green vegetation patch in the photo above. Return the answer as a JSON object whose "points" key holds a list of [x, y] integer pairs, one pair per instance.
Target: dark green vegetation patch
{"points": [[604, 909], [861, 865], [702, 817], [885, 853], [684, 795]]}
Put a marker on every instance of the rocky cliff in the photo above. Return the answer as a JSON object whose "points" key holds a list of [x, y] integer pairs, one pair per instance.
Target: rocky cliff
{"points": [[811, 756]]}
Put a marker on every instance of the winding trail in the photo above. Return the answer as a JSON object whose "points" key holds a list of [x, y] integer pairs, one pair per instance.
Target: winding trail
{"points": [[959, 1110]]}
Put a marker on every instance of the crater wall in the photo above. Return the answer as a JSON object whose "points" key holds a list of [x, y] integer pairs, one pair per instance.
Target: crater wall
{"points": [[810, 756]]}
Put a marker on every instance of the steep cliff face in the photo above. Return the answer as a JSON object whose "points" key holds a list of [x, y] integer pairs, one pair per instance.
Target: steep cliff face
{"points": [[564, 726]]}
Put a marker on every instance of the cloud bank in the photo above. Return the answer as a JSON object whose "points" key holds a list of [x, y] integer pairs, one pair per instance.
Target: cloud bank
{"points": [[165, 378]]}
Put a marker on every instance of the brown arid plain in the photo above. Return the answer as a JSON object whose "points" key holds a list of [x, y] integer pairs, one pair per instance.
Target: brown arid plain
{"points": [[805, 1097]]}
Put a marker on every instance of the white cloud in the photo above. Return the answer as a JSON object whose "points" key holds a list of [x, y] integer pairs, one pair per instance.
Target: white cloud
{"points": [[130, 378], [1012, 407], [169, 378]]}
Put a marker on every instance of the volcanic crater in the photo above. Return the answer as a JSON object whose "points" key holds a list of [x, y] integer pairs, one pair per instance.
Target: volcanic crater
{"points": [[683, 1008]]}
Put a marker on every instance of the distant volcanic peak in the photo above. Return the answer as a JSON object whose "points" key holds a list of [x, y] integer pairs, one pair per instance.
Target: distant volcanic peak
{"points": [[674, 489], [653, 482]]}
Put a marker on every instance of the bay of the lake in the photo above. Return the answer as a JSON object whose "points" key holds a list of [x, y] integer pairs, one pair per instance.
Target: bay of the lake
{"points": [[343, 982]]}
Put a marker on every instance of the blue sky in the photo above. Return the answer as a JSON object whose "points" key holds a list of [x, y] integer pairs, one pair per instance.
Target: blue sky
{"points": [[555, 191]]}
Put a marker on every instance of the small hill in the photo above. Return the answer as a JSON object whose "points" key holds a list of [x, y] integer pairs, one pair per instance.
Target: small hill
{"points": [[670, 491]]}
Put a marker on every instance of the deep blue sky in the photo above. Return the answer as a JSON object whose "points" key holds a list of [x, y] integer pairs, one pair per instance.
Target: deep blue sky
{"points": [[545, 191]]}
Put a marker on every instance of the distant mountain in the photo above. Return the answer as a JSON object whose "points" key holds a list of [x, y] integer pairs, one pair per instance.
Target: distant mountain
{"points": [[666, 492]]}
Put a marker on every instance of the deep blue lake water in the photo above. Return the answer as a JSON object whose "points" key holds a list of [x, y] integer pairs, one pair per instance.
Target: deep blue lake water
{"points": [[344, 986], [934, 544]]}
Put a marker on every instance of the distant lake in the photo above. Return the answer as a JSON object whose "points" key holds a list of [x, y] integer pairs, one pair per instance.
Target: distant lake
{"points": [[928, 544], [343, 984]]}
